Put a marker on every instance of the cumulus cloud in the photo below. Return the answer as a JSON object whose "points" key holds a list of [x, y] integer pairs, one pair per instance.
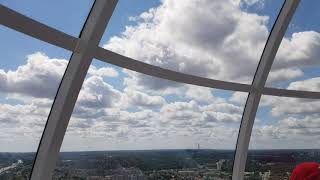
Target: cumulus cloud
{"points": [[281, 106], [192, 113], [103, 72], [286, 107], [22, 125], [291, 120], [204, 41], [238, 98], [291, 132], [96, 93], [221, 117], [40, 77], [129, 114], [167, 125], [201, 94], [302, 49], [312, 84], [282, 75], [139, 99], [216, 39], [295, 53], [308, 122]]}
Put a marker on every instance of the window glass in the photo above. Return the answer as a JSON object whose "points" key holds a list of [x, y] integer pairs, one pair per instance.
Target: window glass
{"points": [[220, 39], [297, 63], [286, 133], [127, 124], [30, 73]]}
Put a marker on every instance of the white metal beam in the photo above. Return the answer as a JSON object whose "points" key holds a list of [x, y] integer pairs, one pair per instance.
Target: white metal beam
{"points": [[156, 71], [148, 69], [263, 69], [68, 91]]}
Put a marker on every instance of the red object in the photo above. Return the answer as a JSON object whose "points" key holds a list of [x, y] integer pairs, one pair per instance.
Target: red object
{"points": [[306, 171]]}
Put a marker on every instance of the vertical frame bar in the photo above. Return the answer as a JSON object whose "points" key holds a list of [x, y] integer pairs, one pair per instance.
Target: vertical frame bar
{"points": [[263, 69], [69, 89]]}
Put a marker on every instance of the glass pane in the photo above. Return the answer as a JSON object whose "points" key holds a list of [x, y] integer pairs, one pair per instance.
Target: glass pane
{"points": [[297, 62], [215, 39], [30, 73], [127, 124], [286, 133], [67, 16]]}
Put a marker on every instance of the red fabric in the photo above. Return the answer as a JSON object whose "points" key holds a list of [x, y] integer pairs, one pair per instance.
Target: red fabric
{"points": [[306, 171]]}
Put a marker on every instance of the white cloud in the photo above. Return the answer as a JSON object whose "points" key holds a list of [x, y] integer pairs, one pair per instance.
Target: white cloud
{"points": [[296, 53], [39, 77], [291, 132], [252, 2], [282, 75], [238, 98], [223, 107], [97, 93], [103, 72], [281, 106], [135, 98], [301, 50], [201, 94], [204, 41], [215, 39], [312, 84], [221, 117], [186, 111], [308, 122], [293, 123], [104, 112], [295, 106], [191, 113]]}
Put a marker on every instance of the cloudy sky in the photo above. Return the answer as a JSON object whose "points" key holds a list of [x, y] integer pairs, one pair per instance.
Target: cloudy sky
{"points": [[122, 109]]}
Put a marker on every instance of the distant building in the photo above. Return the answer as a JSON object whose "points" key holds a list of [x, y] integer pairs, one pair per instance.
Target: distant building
{"points": [[265, 175], [220, 163]]}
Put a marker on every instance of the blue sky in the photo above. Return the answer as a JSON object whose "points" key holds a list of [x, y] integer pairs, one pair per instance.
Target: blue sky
{"points": [[69, 16]]}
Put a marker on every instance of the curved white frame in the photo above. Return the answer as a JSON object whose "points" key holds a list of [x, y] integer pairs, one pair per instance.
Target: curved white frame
{"points": [[249, 113], [86, 48]]}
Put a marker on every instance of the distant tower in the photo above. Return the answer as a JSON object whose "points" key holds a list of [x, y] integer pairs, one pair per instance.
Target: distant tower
{"points": [[198, 146]]}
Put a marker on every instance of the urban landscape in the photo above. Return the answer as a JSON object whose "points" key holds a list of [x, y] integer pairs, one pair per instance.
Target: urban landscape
{"points": [[194, 164]]}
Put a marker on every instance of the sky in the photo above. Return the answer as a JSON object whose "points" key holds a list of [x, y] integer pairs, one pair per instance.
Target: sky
{"points": [[118, 109]]}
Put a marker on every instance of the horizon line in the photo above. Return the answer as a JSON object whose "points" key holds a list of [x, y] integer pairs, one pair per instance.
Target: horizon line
{"points": [[160, 150]]}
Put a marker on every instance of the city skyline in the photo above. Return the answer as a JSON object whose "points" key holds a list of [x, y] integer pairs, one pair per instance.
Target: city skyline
{"points": [[121, 109]]}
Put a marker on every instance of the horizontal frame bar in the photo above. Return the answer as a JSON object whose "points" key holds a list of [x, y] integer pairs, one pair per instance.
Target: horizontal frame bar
{"points": [[50, 35], [291, 93], [156, 71], [33, 28]]}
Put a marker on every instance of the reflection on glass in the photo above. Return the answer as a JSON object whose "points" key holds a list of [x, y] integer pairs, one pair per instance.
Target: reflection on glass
{"points": [[129, 125], [286, 133], [216, 39], [297, 64], [30, 73]]}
